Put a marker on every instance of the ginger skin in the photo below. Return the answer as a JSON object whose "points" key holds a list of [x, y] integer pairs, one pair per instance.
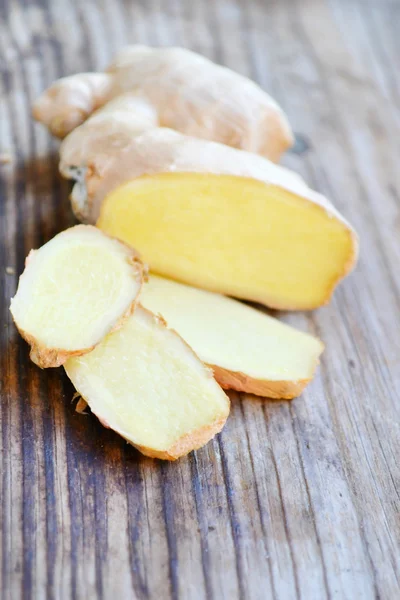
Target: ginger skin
{"points": [[187, 92]]}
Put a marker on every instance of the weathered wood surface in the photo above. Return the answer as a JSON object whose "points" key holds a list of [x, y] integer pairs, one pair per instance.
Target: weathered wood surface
{"points": [[292, 500]]}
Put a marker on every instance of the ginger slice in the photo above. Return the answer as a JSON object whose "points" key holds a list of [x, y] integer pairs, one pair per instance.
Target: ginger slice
{"points": [[144, 382], [247, 350], [73, 291], [186, 91]]}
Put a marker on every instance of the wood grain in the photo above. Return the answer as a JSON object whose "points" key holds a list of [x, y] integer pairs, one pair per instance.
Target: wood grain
{"points": [[292, 500]]}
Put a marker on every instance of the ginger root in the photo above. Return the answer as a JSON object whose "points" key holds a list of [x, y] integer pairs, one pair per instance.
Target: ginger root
{"points": [[247, 350], [145, 383], [185, 91], [205, 214], [74, 290]]}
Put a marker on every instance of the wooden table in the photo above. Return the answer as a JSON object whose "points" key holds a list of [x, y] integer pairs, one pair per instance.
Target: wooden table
{"points": [[294, 499]]}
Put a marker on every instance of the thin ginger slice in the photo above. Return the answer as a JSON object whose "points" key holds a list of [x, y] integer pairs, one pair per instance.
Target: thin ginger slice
{"points": [[74, 290], [144, 382], [247, 350], [233, 235]]}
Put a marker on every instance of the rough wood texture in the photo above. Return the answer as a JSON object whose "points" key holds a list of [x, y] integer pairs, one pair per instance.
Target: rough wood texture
{"points": [[292, 500]]}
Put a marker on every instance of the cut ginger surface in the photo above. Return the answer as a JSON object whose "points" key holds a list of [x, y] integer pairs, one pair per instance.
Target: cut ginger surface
{"points": [[234, 235], [144, 382], [73, 291], [248, 350]]}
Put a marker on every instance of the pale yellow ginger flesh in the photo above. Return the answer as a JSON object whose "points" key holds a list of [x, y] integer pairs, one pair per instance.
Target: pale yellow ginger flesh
{"points": [[73, 291], [248, 350], [145, 382], [233, 235]]}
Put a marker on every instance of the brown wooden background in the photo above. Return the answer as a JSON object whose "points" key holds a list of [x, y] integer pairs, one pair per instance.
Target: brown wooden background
{"points": [[292, 500]]}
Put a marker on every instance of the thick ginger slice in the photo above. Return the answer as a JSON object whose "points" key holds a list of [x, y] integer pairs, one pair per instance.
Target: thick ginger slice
{"points": [[247, 350], [186, 92], [74, 290], [205, 214], [144, 382]]}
